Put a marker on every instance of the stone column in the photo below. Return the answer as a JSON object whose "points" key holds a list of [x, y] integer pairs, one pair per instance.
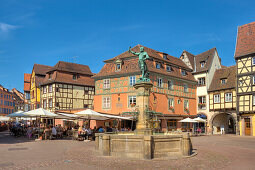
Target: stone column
{"points": [[106, 145], [147, 146], [97, 141], [142, 102], [186, 145]]}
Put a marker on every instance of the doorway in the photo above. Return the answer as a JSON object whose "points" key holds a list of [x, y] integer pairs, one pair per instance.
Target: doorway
{"points": [[247, 126]]}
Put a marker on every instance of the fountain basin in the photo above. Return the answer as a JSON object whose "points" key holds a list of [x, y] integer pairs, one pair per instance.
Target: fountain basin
{"points": [[144, 146]]}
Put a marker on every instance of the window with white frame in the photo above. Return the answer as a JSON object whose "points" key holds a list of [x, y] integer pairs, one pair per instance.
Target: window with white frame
{"points": [[160, 82], [44, 89], [201, 81], [131, 101], [50, 88], [106, 102], [216, 98], [201, 99], [132, 80], [228, 97], [170, 103], [50, 103], [106, 83], [253, 82], [185, 88], [44, 104], [186, 104], [170, 85], [223, 81], [253, 102], [253, 60]]}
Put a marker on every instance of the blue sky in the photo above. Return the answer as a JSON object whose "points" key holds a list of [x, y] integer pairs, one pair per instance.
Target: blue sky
{"points": [[46, 31]]}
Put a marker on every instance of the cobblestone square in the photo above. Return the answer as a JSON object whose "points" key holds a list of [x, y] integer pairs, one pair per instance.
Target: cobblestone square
{"points": [[214, 152]]}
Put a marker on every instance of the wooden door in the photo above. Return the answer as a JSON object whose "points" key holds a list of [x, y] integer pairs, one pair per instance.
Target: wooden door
{"points": [[247, 126]]}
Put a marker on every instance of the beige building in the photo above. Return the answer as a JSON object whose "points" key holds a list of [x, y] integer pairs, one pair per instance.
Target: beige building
{"points": [[67, 86], [245, 63], [222, 101], [204, 66]]}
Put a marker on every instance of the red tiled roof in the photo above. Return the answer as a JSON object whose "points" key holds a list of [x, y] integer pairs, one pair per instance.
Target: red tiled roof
{"points": [[131, 67], [245, 43], [72, 68], [228, 73], [63, 73], [153, 54], [41, 69], [27, 80], [27, 77]]}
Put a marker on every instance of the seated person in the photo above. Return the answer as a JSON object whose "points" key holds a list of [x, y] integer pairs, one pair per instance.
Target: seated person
{"points": [[54, 132], [101, 129]]}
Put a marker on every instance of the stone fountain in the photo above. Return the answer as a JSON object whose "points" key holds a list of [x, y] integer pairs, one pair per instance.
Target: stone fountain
{"points": [[142, 144]]}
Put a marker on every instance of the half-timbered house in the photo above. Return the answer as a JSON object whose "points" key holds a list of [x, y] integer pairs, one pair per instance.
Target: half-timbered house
{"points": [[37, 76], [67, 86], [173, 93], [222, 101], [245, 65]]}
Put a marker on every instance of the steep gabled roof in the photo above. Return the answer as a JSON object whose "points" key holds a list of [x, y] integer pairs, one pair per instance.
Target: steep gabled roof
{"points": [[191, 58], [72, 68], [152, 53], [27, 80], [63, 72], [195, 60], [206, 56], [41, 69], [228, 73], [245, 43]]}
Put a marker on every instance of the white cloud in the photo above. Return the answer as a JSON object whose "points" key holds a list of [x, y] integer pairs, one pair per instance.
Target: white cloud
{"points": [[5, 28]]}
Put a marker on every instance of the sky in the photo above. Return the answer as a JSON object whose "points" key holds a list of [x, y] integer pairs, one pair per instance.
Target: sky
{"points": [[91, 31]]}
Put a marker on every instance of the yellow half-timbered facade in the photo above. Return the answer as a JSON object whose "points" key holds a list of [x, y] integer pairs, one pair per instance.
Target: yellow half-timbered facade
{"points": [[222, 101], [37, 76], [245, 65]]}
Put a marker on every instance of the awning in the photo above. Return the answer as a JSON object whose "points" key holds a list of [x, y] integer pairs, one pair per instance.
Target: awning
{"points": [[40, 113], [188, 120], [17, 114], [93, 115]]}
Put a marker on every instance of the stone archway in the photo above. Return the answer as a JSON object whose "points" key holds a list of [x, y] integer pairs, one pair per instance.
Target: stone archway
{"points": [[223, 123]]}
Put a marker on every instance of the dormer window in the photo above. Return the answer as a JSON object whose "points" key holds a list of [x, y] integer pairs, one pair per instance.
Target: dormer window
{"points": [[50, 76], [118, 64], [158, 65], [75, 76], [118, 67], [223, 81], [168, 68], [184, 73], [202, 64], [165, 56]]}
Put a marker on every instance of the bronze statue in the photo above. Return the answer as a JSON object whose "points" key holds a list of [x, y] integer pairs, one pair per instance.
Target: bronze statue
{"points": [[142, 64]]}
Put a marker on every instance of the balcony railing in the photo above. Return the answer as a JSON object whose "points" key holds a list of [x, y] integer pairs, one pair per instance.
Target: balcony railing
{"points": [[201, 106]]}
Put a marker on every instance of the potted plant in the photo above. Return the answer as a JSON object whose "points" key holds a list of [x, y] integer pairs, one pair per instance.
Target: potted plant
{"points": [[186, 109], [132, 104], [171, 108]]}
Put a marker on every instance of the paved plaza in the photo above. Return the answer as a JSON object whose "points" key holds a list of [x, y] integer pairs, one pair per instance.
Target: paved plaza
{"points": [[214, 152]]}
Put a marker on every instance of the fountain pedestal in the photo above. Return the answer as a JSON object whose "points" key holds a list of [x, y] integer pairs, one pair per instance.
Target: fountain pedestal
{"points": [[143, 144], [142, 102]]}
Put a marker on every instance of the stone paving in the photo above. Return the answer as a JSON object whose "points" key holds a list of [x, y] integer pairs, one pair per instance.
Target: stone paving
{"points": [[214, 152]]}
